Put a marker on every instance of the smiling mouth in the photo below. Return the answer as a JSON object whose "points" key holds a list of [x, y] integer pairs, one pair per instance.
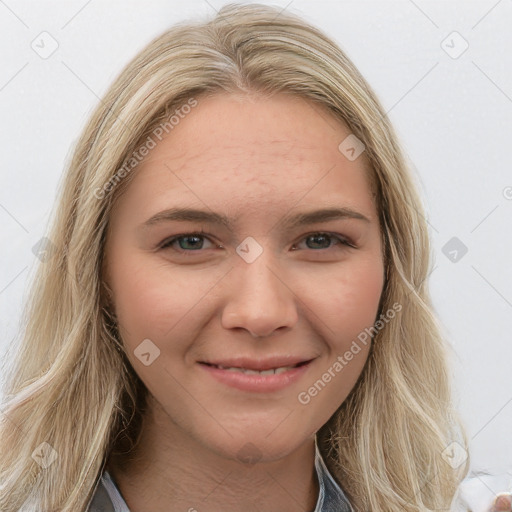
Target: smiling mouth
{"points": [[247, 371]]}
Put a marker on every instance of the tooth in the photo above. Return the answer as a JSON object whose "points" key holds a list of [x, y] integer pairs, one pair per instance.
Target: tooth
{"points": [[272, 371], [251, 372]]}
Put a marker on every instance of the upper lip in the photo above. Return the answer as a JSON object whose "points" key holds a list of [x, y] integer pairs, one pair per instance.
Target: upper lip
{"points": [[259, 364]]}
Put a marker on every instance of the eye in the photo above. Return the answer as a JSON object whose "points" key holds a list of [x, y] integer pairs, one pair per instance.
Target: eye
{"points": [[187, 242], [322, 241]]}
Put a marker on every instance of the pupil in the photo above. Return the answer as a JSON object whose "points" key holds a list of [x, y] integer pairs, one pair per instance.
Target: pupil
{"points": [[324, 237], [194, 246]]}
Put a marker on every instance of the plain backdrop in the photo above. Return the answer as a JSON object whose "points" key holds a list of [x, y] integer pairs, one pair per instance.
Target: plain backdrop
{"points": [[443, 72]]}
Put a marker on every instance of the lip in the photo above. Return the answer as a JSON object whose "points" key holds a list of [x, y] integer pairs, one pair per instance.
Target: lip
{"points": [[257, 383]]}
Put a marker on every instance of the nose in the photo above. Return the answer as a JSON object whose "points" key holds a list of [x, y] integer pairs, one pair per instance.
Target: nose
{"points": [[260, 299]]}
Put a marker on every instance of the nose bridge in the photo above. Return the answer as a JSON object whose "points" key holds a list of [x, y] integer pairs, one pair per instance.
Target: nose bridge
{"points": [[260, 299], [260, 279]]}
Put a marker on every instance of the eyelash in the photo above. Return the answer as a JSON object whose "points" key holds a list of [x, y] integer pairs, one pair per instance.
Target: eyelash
{"points": [[168, 242]]}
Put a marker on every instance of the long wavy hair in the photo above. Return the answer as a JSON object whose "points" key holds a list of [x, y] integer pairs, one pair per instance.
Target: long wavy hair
{"points": [[71, 386]]}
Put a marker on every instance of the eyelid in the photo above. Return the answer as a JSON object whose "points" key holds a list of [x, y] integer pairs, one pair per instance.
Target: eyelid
{"points": [[344, 240], [168, 241]]}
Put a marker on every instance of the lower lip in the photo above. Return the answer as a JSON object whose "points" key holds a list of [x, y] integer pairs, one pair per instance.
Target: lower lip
{"points": [[257, 383]]}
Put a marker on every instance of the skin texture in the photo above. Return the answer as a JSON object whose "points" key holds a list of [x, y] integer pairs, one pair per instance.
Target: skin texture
{"points": [[255, 160]]}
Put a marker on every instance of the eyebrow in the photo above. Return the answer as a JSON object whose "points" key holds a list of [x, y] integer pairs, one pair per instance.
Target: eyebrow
{"points": [[288, 222]]}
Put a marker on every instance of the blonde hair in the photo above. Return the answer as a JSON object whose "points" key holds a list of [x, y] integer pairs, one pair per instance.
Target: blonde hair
{"points": [[71, 385]]}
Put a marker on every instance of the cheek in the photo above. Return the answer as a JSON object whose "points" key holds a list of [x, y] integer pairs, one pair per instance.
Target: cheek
{"points": [[349, 300], [149, 302], [346, 307]]}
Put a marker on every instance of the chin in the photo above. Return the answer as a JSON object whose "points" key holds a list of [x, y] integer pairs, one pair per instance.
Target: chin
{"points": [[257, 446]]}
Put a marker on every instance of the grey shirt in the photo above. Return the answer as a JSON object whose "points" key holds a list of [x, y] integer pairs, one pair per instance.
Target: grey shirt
{"points": [[331, 498]]}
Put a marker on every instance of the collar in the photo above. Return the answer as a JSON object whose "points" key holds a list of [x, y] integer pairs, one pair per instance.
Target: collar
{"points": [[330, 498]]}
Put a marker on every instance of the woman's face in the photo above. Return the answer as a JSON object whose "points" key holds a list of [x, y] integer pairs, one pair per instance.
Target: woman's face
{"points": [[254, 280]]}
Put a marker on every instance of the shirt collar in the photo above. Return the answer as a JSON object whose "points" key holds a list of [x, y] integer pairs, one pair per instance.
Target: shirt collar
{"points": [[330, 498]]}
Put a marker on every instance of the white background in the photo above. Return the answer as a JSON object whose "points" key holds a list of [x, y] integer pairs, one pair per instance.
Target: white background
{"points": [[453, 116]]}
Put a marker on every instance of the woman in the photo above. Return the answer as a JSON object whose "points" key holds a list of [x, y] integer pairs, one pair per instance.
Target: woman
{"points": [[235, 315]]}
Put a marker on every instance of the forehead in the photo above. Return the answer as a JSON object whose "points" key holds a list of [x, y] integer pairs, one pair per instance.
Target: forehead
{"points": [[253, 152], [255, 127]]}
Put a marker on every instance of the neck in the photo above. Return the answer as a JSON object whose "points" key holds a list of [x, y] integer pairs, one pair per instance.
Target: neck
{"points": [[170, 470]]}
